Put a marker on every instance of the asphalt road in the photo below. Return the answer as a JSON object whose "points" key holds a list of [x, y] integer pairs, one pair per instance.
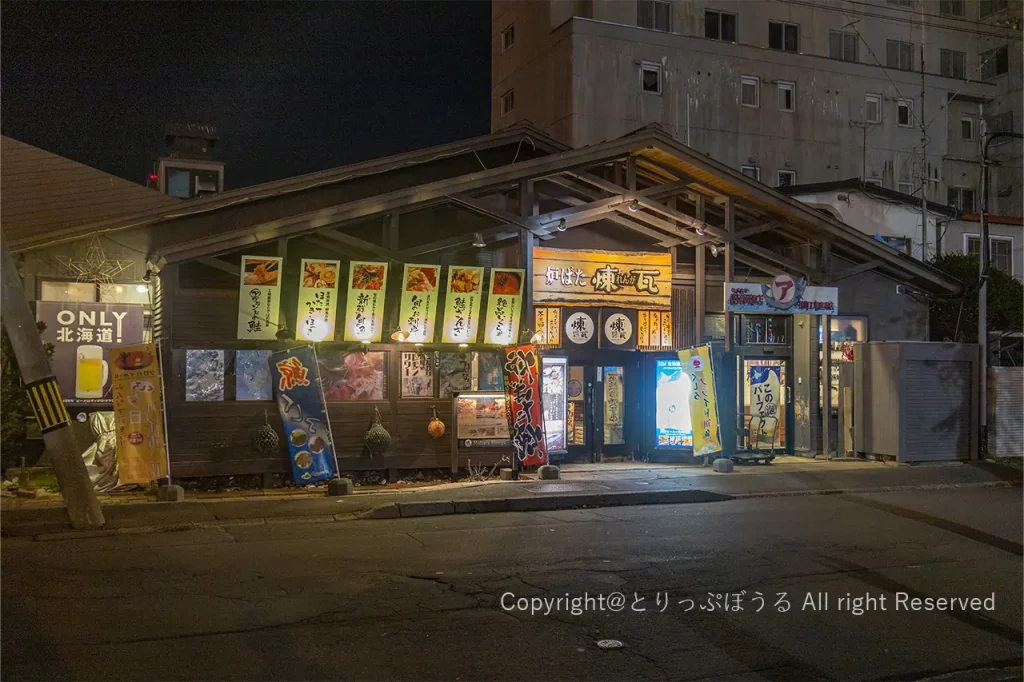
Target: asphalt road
{"points": [[422, 599]]}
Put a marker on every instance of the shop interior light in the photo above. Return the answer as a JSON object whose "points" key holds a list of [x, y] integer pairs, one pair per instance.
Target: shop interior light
{"points": [[119, 289], [142, 288], [634, 206], [478, 240], [399, 335]]}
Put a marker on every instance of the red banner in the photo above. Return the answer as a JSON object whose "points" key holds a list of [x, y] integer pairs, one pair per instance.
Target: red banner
{"points": [[522, 405]]}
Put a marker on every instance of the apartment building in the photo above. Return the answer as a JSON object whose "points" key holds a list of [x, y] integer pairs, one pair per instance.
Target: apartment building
{"points": [[788, 91]]}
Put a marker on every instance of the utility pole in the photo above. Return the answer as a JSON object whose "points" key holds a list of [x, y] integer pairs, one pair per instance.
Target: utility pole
{"points": [[924, 155], [863, 125], [75, 487]]}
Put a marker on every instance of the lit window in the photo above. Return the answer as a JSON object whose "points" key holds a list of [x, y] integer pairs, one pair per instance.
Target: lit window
{"points": [[904, 113], [787, 96], [782, 36], [842, 46], [750, 91], [872, 108], [967, 128], [654, 14], [508, 102], [952, 64], [650, 77], [899, 55], [720, 26], [751, 171], [508, 37], [82, 292]]}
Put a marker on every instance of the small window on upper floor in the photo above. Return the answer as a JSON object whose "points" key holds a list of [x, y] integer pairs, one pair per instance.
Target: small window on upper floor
{"points": [[905, 188], [995, 63], [961, 198], [782, 36], [508, 37], [720, 26], [650, 77], [905, 113], [899, 55], [988, 7], [750, 91], [842, 46], [786, 178], [952, 63], [508, 102], [967, 128], [901, 3], [787, 96], [872, 108], [953, 8], [751, 171], [655, 14]]}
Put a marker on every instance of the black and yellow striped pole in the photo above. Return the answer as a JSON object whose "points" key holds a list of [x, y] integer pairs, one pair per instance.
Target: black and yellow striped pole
{"points": [[83, 508], [47, 406]]}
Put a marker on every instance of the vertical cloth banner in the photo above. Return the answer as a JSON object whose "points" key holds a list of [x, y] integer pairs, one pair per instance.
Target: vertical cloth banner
{"points": [[138, 414], [318, 300], [259, 297], [522, 405], [765, 387], [420, 291], [504, 299], [296, 378], [462, 304], [367, 287], [707, 438]]}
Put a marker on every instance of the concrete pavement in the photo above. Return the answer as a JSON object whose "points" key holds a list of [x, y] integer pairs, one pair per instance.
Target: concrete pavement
{"points": [[436, 598], [585, 486]]}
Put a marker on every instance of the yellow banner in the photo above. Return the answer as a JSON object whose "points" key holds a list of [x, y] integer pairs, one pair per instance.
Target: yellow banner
{"points": [[421, 287], [628, 279], [504, 299], [367, 286], [318, 300], [707, 438], [549, 326], [259, 297], [138, 413], [462, 304]]}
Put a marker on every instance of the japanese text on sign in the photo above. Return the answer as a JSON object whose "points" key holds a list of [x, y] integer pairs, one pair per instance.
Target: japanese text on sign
{"points": [[522, 404]]}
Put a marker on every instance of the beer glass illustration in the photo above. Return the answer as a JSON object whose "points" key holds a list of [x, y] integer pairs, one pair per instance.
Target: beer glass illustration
{"points": [[91, 372]]}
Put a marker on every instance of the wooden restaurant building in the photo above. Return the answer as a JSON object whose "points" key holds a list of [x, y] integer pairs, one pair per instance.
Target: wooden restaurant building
{"points": [[410, 273]]}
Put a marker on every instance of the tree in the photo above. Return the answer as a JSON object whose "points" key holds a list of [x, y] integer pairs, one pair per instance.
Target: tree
{"points": [[14, 407], [956, 319]]}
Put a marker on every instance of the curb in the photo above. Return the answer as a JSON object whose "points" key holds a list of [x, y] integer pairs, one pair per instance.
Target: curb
{"points": [[484, 506]]}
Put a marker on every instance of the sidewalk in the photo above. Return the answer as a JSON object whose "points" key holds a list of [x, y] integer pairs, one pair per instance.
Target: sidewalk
{"points": [[580, 486]]}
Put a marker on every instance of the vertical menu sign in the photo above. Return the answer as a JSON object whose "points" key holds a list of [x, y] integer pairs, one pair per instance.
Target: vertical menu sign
{"points": [[318, 300], [419, 302], [367, 284], [138, 414], [703, 405], [522, 405], [296, 378], [259, 298], [462, 304], [505, 297]]}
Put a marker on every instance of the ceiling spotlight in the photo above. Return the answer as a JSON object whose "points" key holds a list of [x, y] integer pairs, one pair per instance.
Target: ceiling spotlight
{"points": [[714, 251], [634, 206], [148, 276], [478, 240], [463, 345], [561, 225], [700, 231]]}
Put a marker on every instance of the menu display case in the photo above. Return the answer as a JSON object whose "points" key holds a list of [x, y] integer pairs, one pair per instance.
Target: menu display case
{"points": [[554, 374], [481, 420], [672, 427]]}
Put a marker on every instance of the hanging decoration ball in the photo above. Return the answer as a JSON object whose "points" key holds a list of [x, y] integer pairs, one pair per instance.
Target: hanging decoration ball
{"points": [[436, 427], [377, 438], [265, 440]]}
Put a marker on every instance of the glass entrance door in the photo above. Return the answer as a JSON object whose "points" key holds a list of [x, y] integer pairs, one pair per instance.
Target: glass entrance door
{"points": [[765, 402], [617, 415]]}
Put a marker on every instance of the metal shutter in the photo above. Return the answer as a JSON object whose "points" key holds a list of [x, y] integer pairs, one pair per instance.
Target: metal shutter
{"points": [[936, 415]]}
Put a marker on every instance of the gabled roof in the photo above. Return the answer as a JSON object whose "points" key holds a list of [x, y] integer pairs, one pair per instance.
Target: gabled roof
{"points": [[42, 194], [858, 185], [673, 166], [521, 135]]}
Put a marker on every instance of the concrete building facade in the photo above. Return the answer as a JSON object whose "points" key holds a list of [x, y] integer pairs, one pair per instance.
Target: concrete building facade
{"points": [[788, 91]]}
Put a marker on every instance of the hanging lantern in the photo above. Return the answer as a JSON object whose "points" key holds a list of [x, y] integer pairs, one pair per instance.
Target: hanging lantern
{"points": [[436, 427], [377, 438], [265, 441]]}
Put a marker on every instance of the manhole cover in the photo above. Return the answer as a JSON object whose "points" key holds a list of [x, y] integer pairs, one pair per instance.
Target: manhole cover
{"points": [[541, 488]]}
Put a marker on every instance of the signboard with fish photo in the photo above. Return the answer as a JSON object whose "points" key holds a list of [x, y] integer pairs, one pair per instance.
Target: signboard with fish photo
{"points": [[259, 298]]}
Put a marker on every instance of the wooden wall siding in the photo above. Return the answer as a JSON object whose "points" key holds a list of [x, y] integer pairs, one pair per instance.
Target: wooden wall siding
{"points": [[206, 318], [684, 312]]}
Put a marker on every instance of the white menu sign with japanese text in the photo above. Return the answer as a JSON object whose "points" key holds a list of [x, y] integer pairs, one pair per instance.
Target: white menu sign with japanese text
{"points": [[462, 304], [318, 300], [259, 297], [504, 299], [420, 291]]}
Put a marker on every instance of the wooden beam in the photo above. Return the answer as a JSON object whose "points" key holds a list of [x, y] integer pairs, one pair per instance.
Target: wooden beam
{"points": [[479, 207], [221, 265], [361, 244], [671, 228], [855, 270], [789, 263], [528, 208], [494, 234]]}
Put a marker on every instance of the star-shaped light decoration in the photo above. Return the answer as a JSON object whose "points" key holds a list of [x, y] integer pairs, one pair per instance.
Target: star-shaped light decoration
{"points": [[94, 267]]}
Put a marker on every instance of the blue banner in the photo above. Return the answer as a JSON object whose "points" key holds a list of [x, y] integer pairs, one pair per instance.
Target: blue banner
{"points": [[296, 378]]}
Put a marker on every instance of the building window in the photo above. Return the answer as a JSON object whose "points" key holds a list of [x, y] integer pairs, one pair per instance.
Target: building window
{"points": [[901, 3], [905, 188], [989, 7], [961, 198], [654, 14], [999, 123], [1000, 251], [787, 96], [952, 64], [786, 178], [967, 128], [720, 26], [899, 55], [508, 102], [842, 46], [650, 77], [873, 108], [508, 37], [782, 36], [874, 182], [750, 91], [954, 8], [904, 113], [995, 63], [751, 171]]}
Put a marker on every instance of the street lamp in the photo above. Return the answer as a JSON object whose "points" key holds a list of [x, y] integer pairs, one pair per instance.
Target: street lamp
{"points": [[983, 290]]}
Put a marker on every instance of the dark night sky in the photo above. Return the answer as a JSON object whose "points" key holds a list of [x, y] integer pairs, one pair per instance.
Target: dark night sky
{"points": [[292, 87]]}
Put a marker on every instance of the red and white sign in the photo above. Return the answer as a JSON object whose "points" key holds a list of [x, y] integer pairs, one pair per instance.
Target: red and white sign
{"points": [[784, 295]]}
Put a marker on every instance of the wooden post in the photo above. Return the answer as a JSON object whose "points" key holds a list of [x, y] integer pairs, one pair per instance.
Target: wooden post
{"points": [[826, 356], [730, 264], [395, 284], [700, 281], [527, 207]]}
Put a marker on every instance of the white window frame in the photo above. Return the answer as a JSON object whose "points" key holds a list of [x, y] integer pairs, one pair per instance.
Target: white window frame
{"points": [[756, 169], [960, 197], [783, 86], [654, 67], [974, 128], [905, 188], [654, 15], [508, 37], [909, 104], [992, 238], [756, 82], [900, 46], [877, 99], [950, 55], [508, 102], [785, 171]]}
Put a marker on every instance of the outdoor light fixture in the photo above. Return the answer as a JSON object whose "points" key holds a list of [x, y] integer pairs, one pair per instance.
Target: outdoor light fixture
{"points": [[714, 250], [283, 334], [119, 289], [700, 231], [142, 288], [478, 240], [148, 276], [463, 345], [634, 206], [561, 225]]}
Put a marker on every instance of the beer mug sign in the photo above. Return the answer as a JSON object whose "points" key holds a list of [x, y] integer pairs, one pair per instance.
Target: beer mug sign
{"points": [[91, 372]]}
